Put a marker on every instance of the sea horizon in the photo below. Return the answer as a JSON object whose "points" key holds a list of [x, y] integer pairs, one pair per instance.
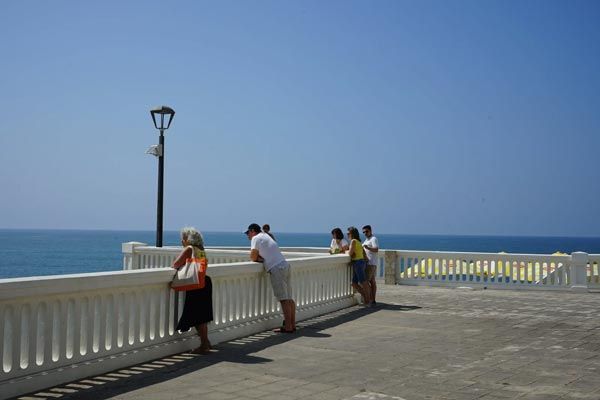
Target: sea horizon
{"points": [[308, 233], [38, 252]]}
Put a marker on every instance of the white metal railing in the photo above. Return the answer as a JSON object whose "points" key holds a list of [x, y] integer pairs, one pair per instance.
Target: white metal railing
{"points": [[61, 328]]}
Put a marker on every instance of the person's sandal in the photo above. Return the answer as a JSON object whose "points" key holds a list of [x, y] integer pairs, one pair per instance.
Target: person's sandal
{"points": [[283, 330], [201, 350]]}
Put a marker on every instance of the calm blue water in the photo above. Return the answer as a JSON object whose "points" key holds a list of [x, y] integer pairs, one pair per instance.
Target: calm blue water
{"points": [[55, 252]]}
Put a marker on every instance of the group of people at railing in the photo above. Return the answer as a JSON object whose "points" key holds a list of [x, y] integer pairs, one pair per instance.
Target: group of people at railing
{"points": [[198, 308], [363, 258]]}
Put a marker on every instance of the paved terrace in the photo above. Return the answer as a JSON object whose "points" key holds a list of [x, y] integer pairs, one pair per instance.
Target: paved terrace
{"points": [[420, 343]]}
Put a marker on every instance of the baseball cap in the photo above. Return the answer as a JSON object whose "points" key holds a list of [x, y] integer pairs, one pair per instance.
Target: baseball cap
{"points": [[253, 227]]}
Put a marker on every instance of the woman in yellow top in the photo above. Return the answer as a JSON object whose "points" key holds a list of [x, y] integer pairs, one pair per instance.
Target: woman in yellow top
{"points": [[359, 264], [197, 309]]}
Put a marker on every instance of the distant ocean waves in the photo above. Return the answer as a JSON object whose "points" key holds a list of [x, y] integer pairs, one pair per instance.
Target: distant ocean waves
{"points": [[57, 252]]}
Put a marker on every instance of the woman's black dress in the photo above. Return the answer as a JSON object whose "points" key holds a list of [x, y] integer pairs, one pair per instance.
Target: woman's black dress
{"points": [[197, 308]]}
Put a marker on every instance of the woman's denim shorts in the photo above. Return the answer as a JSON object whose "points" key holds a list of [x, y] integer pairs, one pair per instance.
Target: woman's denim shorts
{"points": [[358, 271]]}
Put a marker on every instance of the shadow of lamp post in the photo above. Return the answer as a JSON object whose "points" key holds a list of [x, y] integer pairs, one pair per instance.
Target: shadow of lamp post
{"points": [[162, 117]]}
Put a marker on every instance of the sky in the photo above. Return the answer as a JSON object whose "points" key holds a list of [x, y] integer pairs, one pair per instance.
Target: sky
{"points": [[417, 117]]}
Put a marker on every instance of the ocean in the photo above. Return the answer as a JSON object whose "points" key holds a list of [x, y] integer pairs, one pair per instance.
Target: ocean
{"points": [[56, 252]]}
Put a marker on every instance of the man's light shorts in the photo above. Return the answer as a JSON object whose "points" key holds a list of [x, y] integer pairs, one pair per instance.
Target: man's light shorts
{"points": [[281, 282], [370, 271]]}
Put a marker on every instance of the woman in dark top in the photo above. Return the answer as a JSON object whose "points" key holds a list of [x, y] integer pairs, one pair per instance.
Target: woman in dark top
{"points": [[197, 309]]}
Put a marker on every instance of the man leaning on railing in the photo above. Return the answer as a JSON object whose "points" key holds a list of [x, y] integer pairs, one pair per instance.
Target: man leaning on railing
{"points": [[265, 250]]}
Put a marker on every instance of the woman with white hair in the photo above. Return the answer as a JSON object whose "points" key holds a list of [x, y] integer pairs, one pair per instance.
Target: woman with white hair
{"points": [[197, 309]]}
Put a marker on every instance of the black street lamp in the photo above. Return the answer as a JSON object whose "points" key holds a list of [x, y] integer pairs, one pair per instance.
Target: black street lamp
{"points": [[159, 151]]}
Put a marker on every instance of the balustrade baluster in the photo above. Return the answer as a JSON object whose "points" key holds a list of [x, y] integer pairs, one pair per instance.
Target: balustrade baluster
{"points": [[217, 295], [24, 335], [112, 316], [33, 331], [70, 323], [40, 332], [8, 339], [152, 313], [55, 315], [134, 315], [162, 311], [120, 318], [76, 323]]}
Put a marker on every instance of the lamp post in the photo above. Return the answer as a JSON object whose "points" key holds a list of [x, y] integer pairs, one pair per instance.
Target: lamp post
{"points": [[159, 151]]}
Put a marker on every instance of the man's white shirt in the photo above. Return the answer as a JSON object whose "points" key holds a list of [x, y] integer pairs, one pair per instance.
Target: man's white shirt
{"points": [[372, 256], [268, 250]]}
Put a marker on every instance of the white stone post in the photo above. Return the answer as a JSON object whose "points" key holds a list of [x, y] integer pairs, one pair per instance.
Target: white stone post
{"points": [[578, 273], [130, 261], [391, 263]]}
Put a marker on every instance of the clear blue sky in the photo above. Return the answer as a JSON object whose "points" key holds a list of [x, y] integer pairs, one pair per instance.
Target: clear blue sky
{"points": [[449, 117]]}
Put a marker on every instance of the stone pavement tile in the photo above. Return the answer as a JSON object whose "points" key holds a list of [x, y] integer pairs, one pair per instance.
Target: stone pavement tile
{"points": [[341, 392], [264, 378], [580, 396], [217, 396], [354, 377], [374, 396], [322, 387], [325, 396], [550, 380], [252, 393], [380, 385], [494, 375], [239, 386], [520, 378], [455, 384], [284, 385], [540, 396], [280, 396], [429, 395], [584, 385], [458, 396], [501, 395], [304, 392], [476, 389]]}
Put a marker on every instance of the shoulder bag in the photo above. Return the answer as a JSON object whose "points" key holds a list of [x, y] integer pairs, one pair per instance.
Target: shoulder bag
{"points": [[192, 275]]}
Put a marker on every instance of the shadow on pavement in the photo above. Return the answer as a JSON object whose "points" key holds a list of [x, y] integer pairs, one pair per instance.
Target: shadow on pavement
{"points": [[235, 351]]}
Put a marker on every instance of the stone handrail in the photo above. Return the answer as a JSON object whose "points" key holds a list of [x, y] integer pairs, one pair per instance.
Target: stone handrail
{"points": [[138, 255], [415, 267], [61, 328]]}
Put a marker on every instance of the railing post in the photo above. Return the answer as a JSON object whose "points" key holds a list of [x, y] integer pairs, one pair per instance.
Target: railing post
{"points": [[130, 261], [578, 273], [391, 263]]}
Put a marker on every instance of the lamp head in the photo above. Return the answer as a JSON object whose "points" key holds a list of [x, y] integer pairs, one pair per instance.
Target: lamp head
{"points": [[162, 111]]}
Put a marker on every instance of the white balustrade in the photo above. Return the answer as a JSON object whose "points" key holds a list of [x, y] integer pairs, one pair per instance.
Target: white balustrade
{"points": [[593, 271], [138, 255], [492, 270], [62, 328]]}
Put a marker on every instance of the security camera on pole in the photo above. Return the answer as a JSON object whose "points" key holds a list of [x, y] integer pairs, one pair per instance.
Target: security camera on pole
{"points": [[159, 151]]}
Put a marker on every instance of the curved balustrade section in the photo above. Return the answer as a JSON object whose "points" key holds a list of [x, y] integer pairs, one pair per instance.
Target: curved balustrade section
{"points": [[62, 328], [494, 270], [138, 255], [141, 256], [484, 268]]}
